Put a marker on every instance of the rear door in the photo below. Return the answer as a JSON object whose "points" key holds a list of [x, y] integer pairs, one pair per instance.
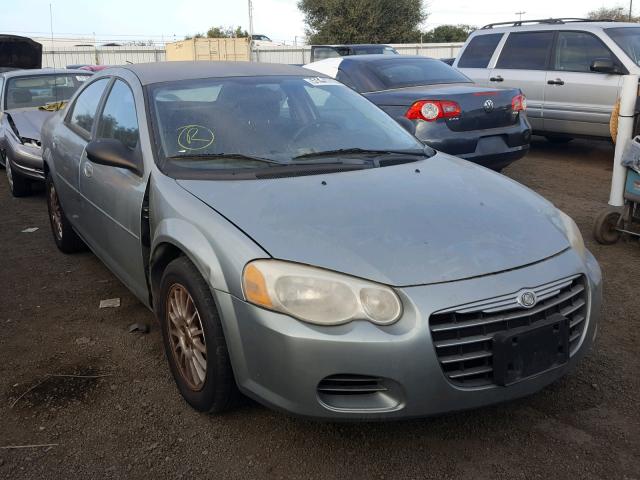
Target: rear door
{"points": [[69, 140], [476, 56], [113, 197], [522, 64], [577, 100]]}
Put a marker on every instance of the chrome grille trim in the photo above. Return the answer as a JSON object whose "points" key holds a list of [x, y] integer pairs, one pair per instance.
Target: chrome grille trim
{"points": [[463, 335]]}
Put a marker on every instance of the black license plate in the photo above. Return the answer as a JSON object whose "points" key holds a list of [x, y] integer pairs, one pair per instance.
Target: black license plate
{"points": [[527, 351]]}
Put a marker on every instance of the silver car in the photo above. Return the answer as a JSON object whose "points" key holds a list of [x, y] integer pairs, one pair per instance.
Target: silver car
{"points": [[570, 70], [23, 94], [297, 244]]}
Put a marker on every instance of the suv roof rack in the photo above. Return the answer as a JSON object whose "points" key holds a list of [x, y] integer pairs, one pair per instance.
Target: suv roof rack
{"points": [[549, 21]]}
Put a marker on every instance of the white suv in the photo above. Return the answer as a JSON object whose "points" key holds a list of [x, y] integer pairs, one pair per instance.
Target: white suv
{"points": [[569, 69]]}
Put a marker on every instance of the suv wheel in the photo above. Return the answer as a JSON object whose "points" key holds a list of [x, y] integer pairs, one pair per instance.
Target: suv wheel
{"points": [[194, 340], [19, 186]]}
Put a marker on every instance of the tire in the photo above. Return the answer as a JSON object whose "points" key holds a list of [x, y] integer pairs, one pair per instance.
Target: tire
{"points": [[19, 186], [559, 139], [215, 390], [604, 227], [67, 240]]}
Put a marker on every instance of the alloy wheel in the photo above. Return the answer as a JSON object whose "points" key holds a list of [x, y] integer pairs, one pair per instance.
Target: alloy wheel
{"points": [[55, 212], [186, 336]]}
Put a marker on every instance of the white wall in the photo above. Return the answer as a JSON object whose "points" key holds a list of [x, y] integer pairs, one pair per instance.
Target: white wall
{"points": [[63, 56]]}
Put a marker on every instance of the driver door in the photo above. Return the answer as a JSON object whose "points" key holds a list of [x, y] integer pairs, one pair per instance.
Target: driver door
{"points": [[113, 197]]}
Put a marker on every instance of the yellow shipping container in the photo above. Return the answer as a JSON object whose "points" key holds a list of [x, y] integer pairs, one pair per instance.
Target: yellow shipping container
{"points": [[231, 49]]}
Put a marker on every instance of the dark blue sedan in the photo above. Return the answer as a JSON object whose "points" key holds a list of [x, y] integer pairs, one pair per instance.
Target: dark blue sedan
{"points": [[448, 111]]}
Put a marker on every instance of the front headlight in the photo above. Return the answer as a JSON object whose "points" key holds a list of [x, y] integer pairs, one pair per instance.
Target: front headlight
{"points": [[318, 296], [566, 224]]}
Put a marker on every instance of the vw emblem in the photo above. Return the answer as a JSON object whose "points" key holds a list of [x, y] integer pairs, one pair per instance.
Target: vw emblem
{"points": [[488, 105], [527, 299]]}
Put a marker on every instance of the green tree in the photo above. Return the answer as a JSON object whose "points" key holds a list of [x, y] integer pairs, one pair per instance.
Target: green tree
{"points": [[448, 33], [362, 21], [221, 32], [617, 13]]}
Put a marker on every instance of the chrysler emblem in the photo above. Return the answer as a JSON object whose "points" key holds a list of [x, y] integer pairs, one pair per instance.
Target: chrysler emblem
{"points": [[527, 299], [488, 105]]}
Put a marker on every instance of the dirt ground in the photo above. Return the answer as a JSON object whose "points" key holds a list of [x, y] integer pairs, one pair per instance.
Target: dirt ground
{"points": [[132, 423]]}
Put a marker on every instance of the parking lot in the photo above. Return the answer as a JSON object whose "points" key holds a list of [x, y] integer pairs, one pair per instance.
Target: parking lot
{"points": [[104, 401]]}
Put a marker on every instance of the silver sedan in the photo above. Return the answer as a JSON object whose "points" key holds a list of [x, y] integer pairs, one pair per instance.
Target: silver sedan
{"points": [[299, 246]]}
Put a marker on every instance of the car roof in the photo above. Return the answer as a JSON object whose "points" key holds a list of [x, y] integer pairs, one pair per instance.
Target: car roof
{"points": [[587, 26], [42, 71], [158, 72]]}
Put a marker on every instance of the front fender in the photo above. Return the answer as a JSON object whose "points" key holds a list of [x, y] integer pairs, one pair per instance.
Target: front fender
{"points": [[187, 238]]}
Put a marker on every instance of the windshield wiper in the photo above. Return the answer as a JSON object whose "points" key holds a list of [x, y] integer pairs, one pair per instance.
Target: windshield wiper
{"points": [[359, 151], [214, 156]]}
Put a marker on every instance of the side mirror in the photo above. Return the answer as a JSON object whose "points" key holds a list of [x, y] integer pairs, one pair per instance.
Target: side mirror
{"points": [[407, 124], [604, 65], [112, 153]]}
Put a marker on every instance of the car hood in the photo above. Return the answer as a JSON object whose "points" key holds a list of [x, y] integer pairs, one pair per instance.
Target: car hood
{"points": [[437, 220], [28, 121]]}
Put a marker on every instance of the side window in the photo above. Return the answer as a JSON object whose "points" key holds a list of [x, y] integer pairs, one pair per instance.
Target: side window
{"points": [[320, 53], [576, 51], [118, 119], [84, 109], [526, 51], [346, 79], [479, 51]]}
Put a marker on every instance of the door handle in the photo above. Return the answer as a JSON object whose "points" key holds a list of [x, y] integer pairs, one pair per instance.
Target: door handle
{"points": [[496, 79], [557, 81]]}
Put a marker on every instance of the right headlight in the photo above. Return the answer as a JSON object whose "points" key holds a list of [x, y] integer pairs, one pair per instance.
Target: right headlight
{"points": [[316, 295], [566, 224]]}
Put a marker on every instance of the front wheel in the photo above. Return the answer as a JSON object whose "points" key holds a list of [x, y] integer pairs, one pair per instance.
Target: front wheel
{"points": [[19, 186], [605, 227], [194, 340], [67, 240]]}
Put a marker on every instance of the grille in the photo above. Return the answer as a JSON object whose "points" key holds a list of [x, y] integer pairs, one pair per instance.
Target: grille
{"points": [[463, 335], [346, 384]]}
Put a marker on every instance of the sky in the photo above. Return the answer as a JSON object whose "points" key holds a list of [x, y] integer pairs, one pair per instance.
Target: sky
{"points": [[120, 20]]}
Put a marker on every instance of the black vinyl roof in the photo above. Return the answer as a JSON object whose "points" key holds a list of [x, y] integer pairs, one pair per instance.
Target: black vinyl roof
{"points": [[158, 72]]}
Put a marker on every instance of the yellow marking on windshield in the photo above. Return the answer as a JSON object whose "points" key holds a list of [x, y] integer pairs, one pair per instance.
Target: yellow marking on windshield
{"points": [[195, 137]]}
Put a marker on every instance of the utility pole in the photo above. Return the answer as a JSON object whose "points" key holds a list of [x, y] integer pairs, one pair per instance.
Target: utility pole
{"points": [[250, 19], [630, 9], [522, 13]]}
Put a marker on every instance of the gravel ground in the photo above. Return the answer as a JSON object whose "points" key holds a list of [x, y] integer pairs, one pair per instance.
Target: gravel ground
{"points": [[133, 424]]}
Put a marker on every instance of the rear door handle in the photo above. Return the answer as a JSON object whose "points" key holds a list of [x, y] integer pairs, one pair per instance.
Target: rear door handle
{"points": [[557, 81], [496, 79]]}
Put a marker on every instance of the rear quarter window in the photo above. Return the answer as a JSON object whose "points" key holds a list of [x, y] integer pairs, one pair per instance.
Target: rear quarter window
{"points": [[479, 51]]}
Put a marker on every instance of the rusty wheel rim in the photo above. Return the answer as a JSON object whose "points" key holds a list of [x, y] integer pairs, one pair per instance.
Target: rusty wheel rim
{"points": [[186, 336]]}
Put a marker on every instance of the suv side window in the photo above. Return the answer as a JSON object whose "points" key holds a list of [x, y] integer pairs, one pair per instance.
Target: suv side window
{"points": [[526, 51], [85, 107], [576, 51], [118, 119], [479, 51]]}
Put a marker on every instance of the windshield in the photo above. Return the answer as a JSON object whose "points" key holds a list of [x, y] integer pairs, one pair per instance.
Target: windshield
{"points": [[410, 72], [201, 124], [628, 39], [374, 50], [38, 90]]}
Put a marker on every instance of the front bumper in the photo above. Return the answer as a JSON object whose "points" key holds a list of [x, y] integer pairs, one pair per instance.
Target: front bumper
{"points": [[493, 148], [280, 361], [26, 160]]}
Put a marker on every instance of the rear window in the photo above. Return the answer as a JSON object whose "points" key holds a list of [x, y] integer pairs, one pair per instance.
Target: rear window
{"points": [[38, 90], [408, 72], [479, 51], [526, 51]]}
